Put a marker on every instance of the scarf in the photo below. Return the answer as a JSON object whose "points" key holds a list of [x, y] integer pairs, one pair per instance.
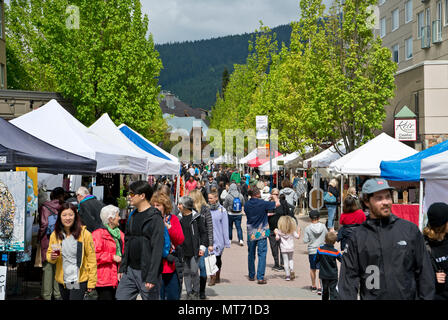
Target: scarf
{"points": [[115, 233], [214, 206]]}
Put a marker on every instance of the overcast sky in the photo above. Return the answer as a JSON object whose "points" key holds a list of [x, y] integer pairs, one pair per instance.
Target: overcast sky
{"points": [[182, 20]]}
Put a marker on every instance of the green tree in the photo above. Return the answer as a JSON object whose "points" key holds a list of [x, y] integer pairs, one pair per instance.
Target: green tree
{"points": [[107, 64], [225, 81]]}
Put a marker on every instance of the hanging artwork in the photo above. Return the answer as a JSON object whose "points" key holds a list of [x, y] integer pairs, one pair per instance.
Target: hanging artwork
{"points": [[12, 211], [31, 211]]}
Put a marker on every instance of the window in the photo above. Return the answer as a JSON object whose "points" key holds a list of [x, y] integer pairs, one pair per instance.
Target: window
{"points": [[408, 11], [408, 48], [420, 23], [446, 12], [439, 11], [395, 52], [395, 19], [383, 27]]}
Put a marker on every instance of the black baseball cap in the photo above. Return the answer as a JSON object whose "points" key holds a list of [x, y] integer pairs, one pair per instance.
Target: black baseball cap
{"points": [[314, 214]]}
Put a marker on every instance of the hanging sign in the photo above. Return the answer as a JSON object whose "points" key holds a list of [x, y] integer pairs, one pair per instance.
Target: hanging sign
{"points": [[261, 123], [405, 129]]}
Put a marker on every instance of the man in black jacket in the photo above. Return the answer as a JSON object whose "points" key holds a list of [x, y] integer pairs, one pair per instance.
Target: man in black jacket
{"points": [[386, 257], [89, 209], [141, 267]]}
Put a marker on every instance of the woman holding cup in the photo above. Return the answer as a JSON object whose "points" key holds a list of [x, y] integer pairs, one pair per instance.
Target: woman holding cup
{"points": [[71, 248]]}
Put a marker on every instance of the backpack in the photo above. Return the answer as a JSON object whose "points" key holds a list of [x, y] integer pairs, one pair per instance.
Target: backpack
{"points": [[51, 220], [236, 206]]}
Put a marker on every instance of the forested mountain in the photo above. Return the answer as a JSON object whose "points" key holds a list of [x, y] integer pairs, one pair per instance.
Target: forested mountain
{"points": [[193, 70]]}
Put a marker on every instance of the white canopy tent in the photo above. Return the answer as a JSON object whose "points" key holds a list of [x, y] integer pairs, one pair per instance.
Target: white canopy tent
{"points": [[252, 155], [325, 158], [225, 158], [366, 159], [265, 167], [55, 125], [108, 131]]}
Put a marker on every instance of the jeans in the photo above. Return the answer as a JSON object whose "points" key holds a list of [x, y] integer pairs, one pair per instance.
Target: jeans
{"points": [[202, 271], [331, 214], [262, 250], [131, 285], [171, 289], [237, 220]]}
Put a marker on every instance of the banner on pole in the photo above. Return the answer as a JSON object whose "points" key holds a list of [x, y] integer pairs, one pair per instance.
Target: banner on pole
{"points": [[261, 123]]}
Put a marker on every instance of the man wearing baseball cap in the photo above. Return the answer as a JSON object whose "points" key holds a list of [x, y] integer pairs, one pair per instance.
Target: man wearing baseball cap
{"points": [[386, 257]]}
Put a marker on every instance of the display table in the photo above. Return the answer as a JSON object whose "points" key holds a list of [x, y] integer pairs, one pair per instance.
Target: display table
{"points": [[408, 212]]}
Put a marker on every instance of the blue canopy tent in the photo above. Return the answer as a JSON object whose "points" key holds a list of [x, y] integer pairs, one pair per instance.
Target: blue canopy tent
{"points": [[409, 169]]}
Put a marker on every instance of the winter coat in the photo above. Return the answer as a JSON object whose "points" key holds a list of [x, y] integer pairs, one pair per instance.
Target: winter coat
{"points": [[283, 210], [145, 239], [387, 260], [290, 195], [438, 251], [176, 238], [326, 256], [199, 239], [42, 236], [314, 235], [236, 177], [220, 230], [85, 259], [207, 218], [89, 211], [228, 202], [106, 249]]}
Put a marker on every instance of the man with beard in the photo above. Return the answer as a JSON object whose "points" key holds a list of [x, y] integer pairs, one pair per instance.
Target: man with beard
{"points": [[386, 258]]}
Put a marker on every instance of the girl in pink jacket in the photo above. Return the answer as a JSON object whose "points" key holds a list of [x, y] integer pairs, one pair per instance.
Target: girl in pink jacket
{"points": [[286, 232]]}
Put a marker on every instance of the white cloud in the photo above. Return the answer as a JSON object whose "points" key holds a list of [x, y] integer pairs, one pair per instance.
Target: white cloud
{"points": [[182, 20]]}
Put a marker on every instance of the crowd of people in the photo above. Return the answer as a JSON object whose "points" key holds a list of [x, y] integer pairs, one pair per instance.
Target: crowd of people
{"points": [[163, 246]]}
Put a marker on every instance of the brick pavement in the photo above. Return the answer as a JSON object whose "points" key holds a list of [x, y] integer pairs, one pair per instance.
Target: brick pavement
{"points": [[234, 276]]}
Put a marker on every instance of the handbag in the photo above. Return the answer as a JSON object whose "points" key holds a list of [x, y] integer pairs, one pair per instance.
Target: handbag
{"points": [[92, 295], [329, 197], [210, 265]]}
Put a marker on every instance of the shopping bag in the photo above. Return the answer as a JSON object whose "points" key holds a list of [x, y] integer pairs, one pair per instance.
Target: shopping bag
{"points": [[210, 265], [329, 197], [38, 260]]}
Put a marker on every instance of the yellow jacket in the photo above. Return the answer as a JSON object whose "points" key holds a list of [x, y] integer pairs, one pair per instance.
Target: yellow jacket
{"points": [[86, 259]]}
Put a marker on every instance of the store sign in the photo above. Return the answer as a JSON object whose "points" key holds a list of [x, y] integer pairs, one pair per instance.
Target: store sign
{"points": [[2, 283], [261, 123], [405, 129]]}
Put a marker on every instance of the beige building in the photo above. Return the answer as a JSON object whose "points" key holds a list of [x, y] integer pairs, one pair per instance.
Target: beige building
{"points": [[416, 32]]}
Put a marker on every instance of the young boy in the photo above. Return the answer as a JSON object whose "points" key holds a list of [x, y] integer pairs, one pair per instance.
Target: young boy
{"points": [[314, 235], [326, 256]]}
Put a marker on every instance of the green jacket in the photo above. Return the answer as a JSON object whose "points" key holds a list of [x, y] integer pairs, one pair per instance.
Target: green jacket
{"points": [[235, 177]]}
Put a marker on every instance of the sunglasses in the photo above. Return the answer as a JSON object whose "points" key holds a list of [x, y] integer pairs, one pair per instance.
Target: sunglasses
{"points": [[132, 194]]}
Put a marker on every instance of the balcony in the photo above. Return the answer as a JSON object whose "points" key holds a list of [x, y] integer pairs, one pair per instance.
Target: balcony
{"points": [[436, 31], [426, 37]]}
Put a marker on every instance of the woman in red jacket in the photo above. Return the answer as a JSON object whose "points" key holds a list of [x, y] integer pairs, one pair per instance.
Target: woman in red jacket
{"points": [[351, 217], [109, 245], [172, 265]]}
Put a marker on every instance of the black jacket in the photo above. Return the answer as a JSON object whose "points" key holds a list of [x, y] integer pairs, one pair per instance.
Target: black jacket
{"points": [[144, 239], [285, 209], [89, 211], [345, 233], [387, 260], [438, 251], [326, 255], [199, 233]]}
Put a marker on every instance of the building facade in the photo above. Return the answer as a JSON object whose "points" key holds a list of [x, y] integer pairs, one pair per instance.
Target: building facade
{"points": [[416, 32]]}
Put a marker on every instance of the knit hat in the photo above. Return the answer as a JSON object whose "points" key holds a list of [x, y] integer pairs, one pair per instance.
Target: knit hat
{"points": [[437, 214]]}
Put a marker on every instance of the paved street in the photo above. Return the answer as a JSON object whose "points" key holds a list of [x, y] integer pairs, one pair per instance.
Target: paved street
{"points": [[234, 276]]}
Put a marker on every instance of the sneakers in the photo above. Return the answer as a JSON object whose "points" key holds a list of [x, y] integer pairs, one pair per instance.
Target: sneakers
{"points": [[287, 278], [313, 289], [241, 243], [319, 291], [278, 268], [263, 281]]}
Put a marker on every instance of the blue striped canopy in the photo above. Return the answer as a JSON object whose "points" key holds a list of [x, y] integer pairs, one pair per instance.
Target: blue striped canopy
{"points": [[408, 169]]}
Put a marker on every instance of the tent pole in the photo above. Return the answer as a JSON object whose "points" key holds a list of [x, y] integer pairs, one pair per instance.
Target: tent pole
{"points": [[177, 188], [342, 191], [420, 207]]}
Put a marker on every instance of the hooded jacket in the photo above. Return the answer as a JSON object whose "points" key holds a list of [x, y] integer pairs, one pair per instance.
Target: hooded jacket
{"points": [[290, 195], [228, 202], [45, 212], [438, 251], [89, 211], [314, 235], [143, 238], [105, 250], [85, 259], [386, 259], [199, 239]]}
